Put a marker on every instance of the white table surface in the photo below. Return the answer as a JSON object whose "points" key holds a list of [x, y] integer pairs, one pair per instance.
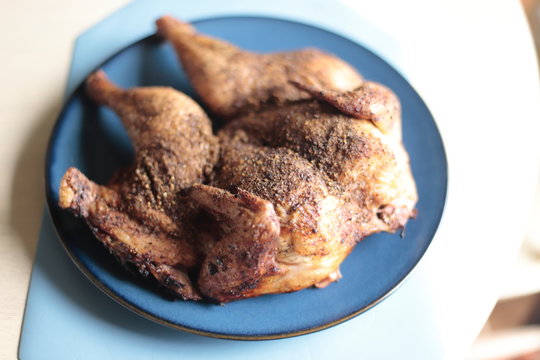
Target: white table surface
{"points": [[472, 62]]}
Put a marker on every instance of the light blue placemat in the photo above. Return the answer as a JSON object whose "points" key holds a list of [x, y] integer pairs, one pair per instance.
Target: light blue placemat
{"points": [[68, 318]]}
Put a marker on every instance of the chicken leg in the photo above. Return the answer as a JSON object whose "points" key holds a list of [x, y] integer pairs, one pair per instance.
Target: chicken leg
{"points": [[139, 216], [232, 81]]}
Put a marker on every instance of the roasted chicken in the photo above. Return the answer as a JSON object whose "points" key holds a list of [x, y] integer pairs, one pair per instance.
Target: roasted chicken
{"points": [[309, 163]]}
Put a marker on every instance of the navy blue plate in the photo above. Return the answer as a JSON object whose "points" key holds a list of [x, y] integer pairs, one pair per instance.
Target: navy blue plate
{"points": [[92, 139]]}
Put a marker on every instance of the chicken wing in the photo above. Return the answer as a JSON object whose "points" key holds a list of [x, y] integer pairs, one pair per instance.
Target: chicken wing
{"points": [[370, 101], [246, 249], [151, 250]]}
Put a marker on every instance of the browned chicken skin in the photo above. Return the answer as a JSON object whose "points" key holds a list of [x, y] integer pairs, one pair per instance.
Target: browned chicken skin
{"points": [[309, 163]]}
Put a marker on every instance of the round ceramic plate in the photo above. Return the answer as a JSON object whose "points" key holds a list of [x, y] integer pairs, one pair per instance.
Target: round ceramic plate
{"points": [[92, 139]]}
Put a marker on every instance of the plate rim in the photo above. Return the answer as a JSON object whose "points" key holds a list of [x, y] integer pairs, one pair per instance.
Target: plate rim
{"points": [[54, 210]]}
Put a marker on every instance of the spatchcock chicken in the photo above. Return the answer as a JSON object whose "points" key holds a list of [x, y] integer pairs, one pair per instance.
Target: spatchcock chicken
{"points": [[308, 163]]}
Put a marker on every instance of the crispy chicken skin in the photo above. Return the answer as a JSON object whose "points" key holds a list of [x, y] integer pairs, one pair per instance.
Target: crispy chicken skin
{"points": [[309, 163], [139, 216], [232, 81]]}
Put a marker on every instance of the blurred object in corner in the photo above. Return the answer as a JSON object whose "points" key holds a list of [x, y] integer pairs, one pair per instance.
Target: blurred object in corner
{"points": [[532, 237], [524, 277], [512, 331], [532, 9], [532, 240], [514, 344]]}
